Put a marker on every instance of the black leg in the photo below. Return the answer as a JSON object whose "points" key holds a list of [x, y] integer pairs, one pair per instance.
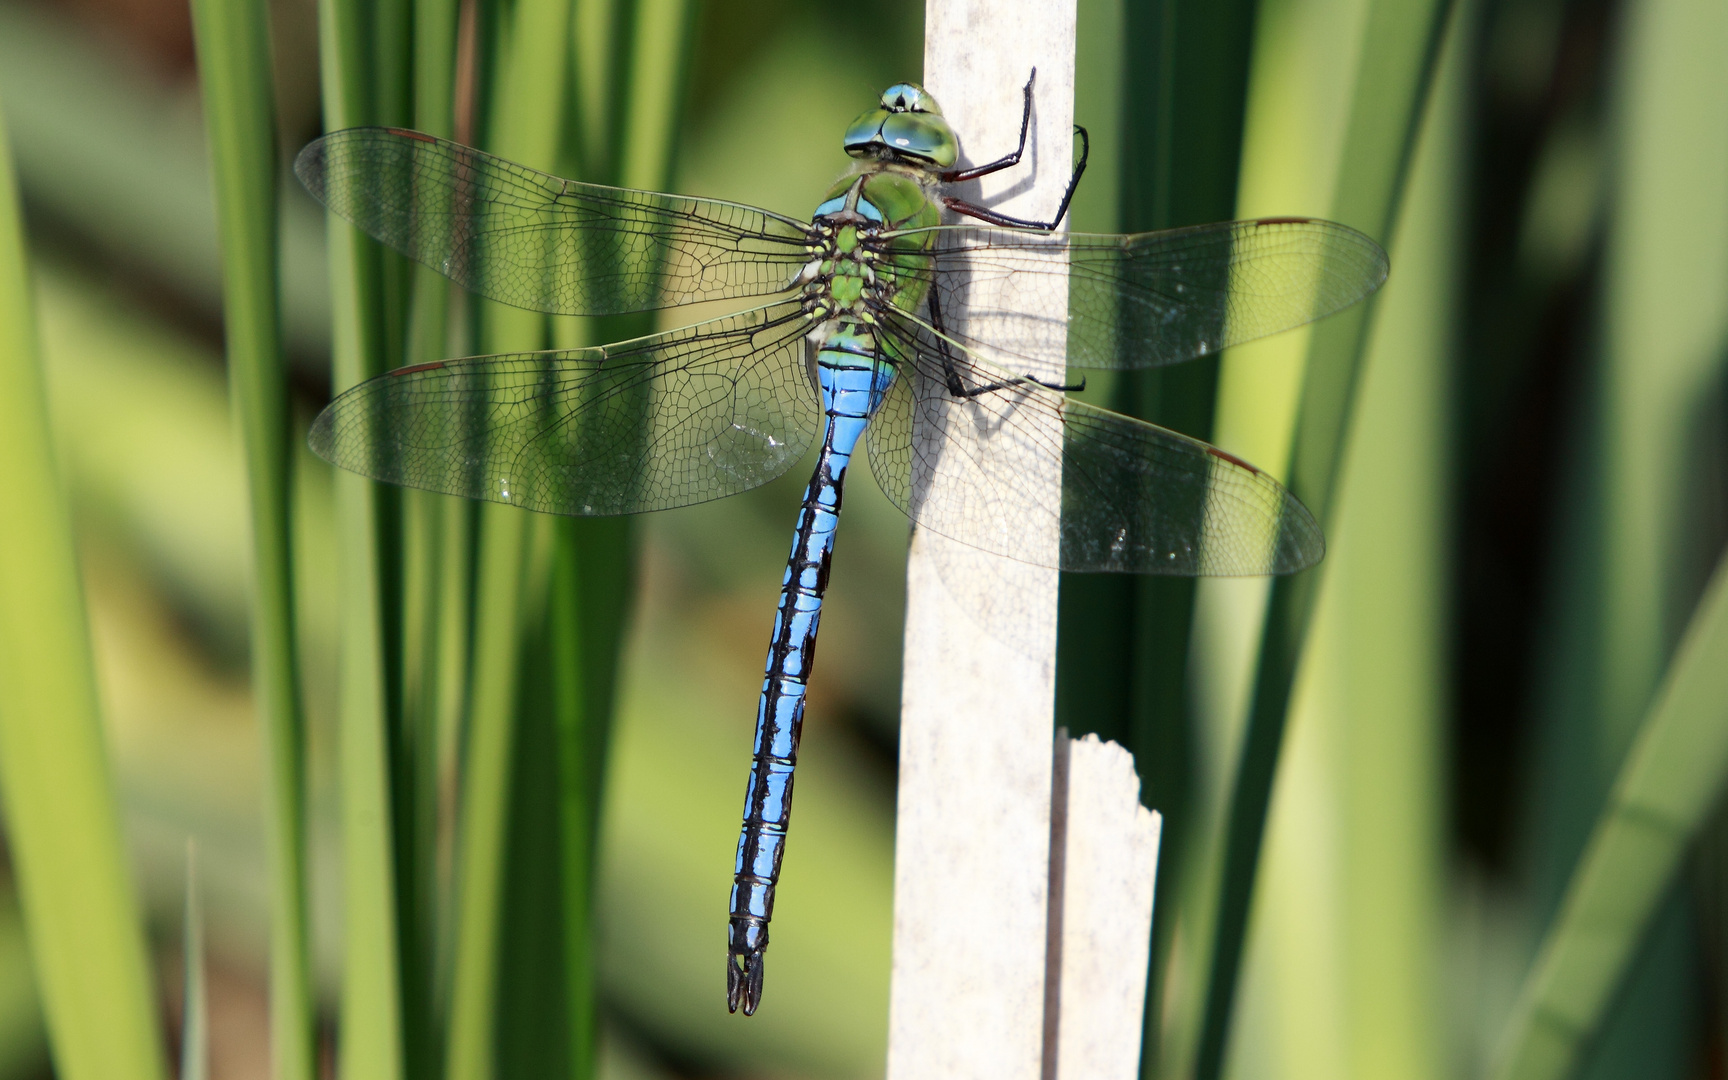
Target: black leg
{"points": [[961, 206], [951, 371], [1024, 380], [1007, 161]]}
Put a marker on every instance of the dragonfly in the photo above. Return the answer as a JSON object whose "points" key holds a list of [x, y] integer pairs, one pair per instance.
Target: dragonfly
{"points": [[863, 327]]}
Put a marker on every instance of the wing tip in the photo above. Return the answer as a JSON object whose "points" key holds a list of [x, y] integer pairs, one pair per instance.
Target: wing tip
{"points": [[1301, 542], [312, 164], [1369, 255], [321, 436], [309, 166]]}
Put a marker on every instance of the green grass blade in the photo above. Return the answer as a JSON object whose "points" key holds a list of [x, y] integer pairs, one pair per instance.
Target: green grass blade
{"points": [[234, 69], [1400, 41], [547, 1022], [626, 67], [371, 1018], [1668, 785], [437, 593], [582, 737], [371, 1043], [524, 124], [454, 638], [416, 781], [483, 829], [195, 1003], [585, 622], [63, 822], [532, 1035], [1665, 329], [658, 73], [1345, 948], [435, 610], [594, 567], [23, 1049]]}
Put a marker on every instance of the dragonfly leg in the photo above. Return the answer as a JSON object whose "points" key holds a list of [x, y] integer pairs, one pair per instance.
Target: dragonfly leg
{"points": [[951, 371], [1024, 380], [1006, 161], [982, 213]]}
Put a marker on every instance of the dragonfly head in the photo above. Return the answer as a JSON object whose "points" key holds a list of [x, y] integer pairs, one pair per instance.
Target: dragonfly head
{"points": [[906, 125]]}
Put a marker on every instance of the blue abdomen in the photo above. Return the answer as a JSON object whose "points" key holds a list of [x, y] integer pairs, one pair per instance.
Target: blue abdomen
{"points": [[854, 379]]}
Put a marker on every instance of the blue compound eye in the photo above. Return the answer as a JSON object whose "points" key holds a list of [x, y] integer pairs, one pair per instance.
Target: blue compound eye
{"points": [[910, 97], [907, 125], [921, 135], [865, 133]]}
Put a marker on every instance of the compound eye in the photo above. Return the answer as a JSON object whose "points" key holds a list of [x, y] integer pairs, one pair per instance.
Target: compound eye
{"points": [[921, 135], [865, 133], [909, 97]]}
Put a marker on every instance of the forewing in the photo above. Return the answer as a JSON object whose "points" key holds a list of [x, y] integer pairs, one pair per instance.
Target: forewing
{"points": [[669, 420], [536, 241], [1151, 298], [1133, 498]]}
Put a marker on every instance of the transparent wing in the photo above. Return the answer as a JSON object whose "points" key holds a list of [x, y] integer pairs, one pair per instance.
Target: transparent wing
{"points": [[1151, 298], [1134, 497], [662, 421], [536, 241]]}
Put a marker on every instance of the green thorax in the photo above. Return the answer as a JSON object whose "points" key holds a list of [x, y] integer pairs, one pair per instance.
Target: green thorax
{"points": [[888, 198], [860, 208]]}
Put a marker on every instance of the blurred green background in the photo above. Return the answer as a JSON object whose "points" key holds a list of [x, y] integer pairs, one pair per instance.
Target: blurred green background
{"points": [[1531, 493]]}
